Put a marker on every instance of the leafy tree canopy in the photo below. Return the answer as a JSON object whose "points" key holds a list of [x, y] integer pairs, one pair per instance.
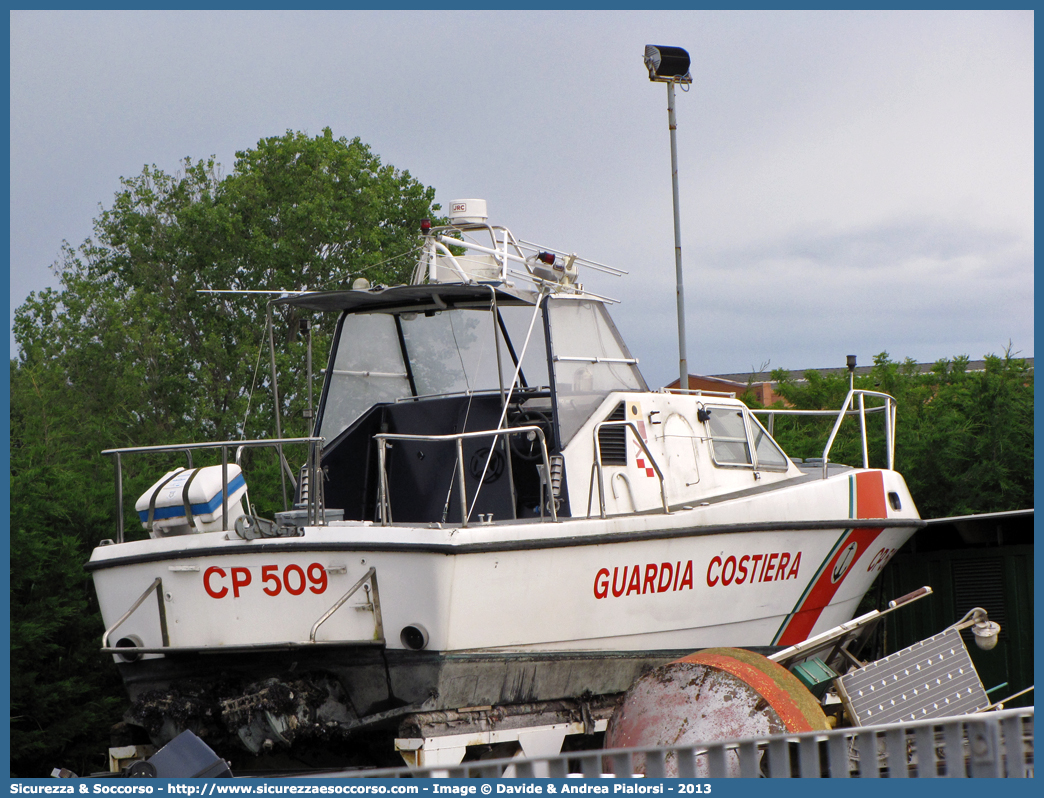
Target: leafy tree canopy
{"points": [[131, 323], [964, 439]]}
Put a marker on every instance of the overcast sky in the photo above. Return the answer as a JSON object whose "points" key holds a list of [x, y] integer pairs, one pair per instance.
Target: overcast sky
{"points": [[850, 183]]}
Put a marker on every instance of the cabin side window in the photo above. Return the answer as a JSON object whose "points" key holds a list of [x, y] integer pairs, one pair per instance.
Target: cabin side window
{"points": [[590, 361], [728, 436], [367, 369], [731, 446], [770, 456]]}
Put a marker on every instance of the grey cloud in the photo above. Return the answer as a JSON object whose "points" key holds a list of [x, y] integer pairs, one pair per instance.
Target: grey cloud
{"points": [[878, 246], [849, 180]]}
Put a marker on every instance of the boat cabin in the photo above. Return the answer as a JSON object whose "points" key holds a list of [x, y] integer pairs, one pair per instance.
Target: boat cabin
{"points": [[417, 372]]}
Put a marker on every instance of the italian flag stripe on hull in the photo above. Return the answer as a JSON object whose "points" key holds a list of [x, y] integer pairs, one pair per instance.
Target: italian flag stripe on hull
{"points": [[866, 500]]}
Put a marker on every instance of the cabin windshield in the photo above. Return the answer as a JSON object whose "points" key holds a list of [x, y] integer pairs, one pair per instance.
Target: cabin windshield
{"points": [[367, 369], [590, 361], [385, 357]]}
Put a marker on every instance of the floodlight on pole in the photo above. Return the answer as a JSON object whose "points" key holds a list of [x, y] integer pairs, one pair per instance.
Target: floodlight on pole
{"points": [[670, 65], [667, 64]]}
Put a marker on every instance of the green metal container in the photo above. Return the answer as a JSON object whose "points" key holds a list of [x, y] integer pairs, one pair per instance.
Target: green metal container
{"points": [[815, 674]]}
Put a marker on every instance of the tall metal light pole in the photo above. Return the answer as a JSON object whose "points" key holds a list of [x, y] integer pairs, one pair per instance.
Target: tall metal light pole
{"points": [[670, 65]]}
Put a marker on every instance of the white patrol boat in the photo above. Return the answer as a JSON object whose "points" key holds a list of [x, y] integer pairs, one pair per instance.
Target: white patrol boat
{"points": [[498, 522]]}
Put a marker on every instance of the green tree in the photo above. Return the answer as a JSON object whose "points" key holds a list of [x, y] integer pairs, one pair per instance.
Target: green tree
{"points": [[132, 350], [964, 439], [60, 686], [970, 442], [295, 213]]}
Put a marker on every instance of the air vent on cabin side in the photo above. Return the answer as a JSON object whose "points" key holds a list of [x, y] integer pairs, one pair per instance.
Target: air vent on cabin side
{"points": [[613, 440]]}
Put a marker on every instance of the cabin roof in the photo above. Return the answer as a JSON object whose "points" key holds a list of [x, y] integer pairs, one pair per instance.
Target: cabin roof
{"points": [[405, 296]]}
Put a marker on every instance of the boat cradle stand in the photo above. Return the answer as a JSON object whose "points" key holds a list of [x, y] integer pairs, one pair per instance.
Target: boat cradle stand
{"points": [[442, 738]]}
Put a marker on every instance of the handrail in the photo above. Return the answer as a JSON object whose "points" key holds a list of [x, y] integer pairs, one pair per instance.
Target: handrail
{"points": [[597, 466], [370, 575], [850, 408], [793, 411], [315, 509], [383, 501], [156, 585], [699, 392]]}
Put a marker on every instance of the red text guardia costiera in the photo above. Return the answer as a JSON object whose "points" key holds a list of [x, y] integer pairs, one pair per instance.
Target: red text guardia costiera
{"points": [[670, 577]]}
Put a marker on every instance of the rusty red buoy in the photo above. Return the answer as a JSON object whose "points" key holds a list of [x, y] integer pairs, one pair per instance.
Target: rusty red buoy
{"points": [[714, 695]]}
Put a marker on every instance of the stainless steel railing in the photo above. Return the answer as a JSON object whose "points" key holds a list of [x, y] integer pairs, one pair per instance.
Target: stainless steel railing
{"points": [[596, 466], [374, 604], [855, 405], [383, 497], [315, 508]]}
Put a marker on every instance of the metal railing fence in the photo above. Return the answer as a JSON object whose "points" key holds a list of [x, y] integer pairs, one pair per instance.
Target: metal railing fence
{"points": [[985, 745]]}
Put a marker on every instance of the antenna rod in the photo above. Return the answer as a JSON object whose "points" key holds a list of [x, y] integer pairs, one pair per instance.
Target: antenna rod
{"points": [[275, 399]]}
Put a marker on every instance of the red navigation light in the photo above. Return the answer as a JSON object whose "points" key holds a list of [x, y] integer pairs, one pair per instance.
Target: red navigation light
{"points": [[547, 257], [425, 225]]}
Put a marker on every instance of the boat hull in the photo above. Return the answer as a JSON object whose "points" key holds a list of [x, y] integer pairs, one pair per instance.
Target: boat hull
{"points": [[498, 613]]}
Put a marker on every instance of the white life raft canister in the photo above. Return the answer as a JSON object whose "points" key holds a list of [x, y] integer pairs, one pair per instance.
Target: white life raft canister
{"points": [[184, 501]]}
